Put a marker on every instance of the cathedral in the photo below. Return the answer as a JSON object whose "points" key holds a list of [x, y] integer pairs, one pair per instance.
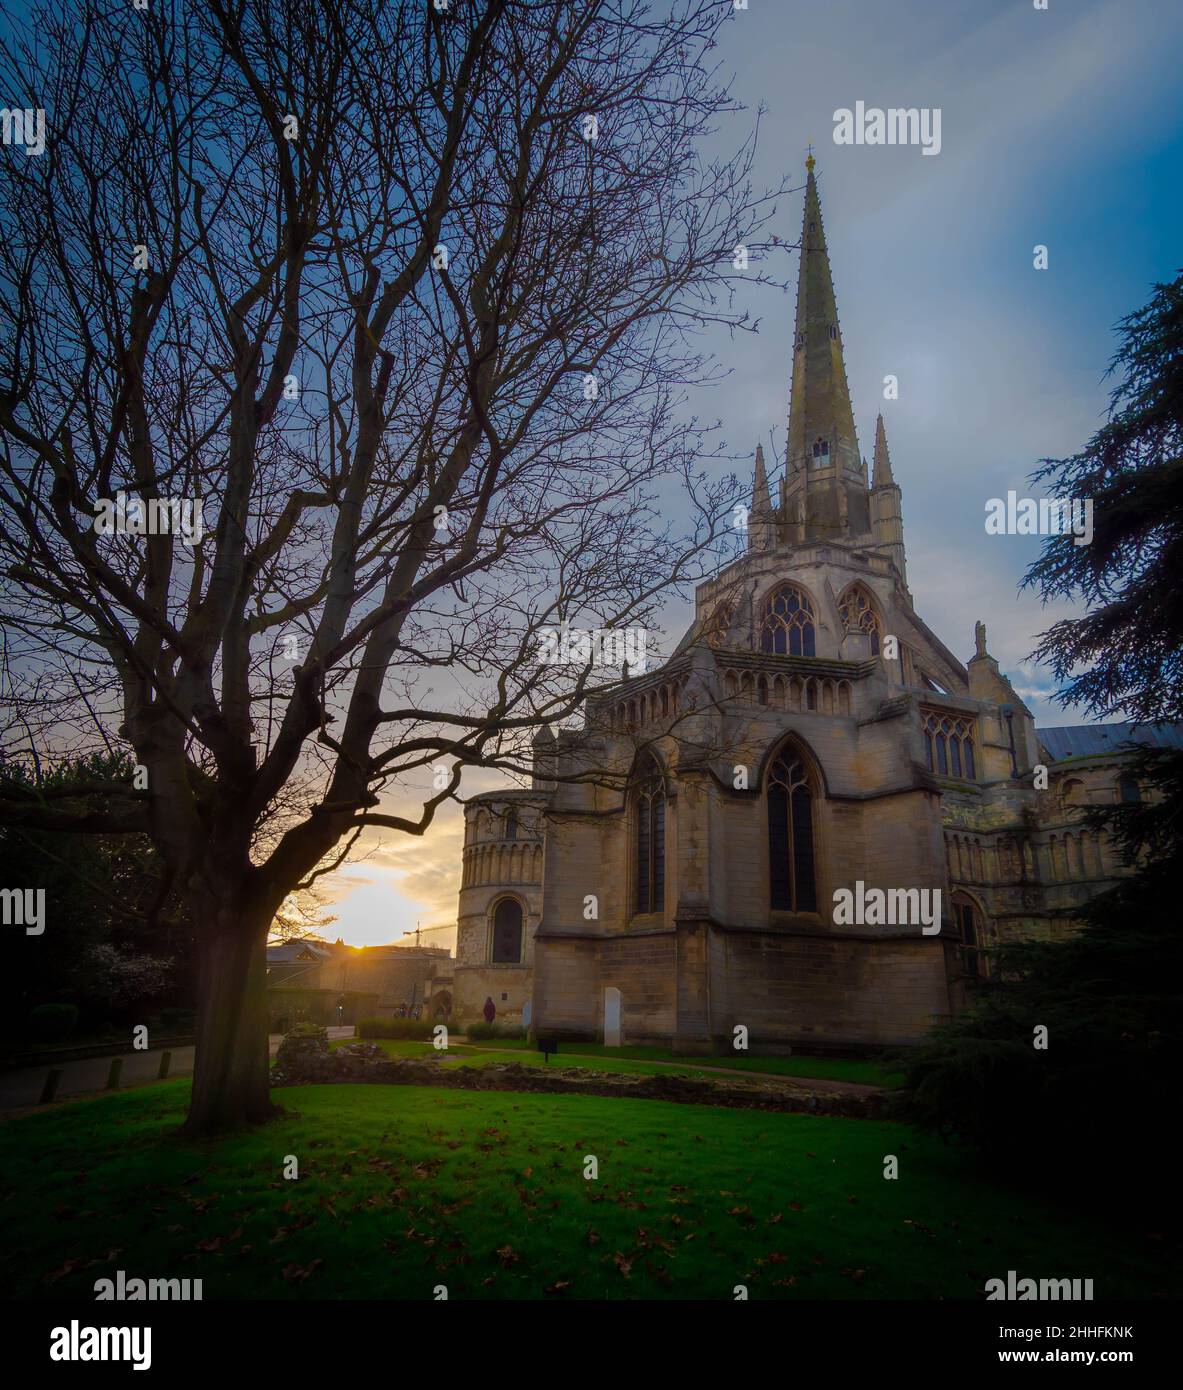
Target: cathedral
{"points": [[810, 734]]}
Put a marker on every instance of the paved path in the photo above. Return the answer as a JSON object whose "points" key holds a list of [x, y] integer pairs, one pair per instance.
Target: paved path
{"points": [[22, 1088]]}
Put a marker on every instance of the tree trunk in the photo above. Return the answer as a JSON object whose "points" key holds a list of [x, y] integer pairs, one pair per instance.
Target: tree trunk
{"points": [[230, 1078]]}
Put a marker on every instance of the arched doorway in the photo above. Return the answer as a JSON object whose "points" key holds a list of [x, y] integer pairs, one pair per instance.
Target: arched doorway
{"points": [[506, 944]]}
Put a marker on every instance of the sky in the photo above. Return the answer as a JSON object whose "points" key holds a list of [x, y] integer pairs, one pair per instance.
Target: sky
{"points": [[1059, 127]]}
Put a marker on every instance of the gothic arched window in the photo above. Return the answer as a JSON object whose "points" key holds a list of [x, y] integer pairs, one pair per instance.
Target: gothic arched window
{"points": [[792, 878], [650, 839], [858, 614], [511, 824], [1128, 789], [949, 744], [507, 932], [970, 935], [787, 628], [821, 448]]}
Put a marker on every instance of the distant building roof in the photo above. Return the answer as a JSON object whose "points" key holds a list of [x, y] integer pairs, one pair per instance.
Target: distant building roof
{"points": [[1093, 740], [288, 952]]}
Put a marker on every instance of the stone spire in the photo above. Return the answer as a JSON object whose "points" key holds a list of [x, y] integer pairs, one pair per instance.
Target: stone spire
{"points": [[819, 408], [761, 523], [881, 477], [887, 516], [823, 457]]}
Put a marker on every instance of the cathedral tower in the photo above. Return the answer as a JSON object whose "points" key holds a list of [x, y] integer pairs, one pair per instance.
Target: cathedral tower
{"points": [[824, 491]]}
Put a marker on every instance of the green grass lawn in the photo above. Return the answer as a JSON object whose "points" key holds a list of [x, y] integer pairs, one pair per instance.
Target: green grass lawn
{"points": [[405, 1188], [870, 1073]]}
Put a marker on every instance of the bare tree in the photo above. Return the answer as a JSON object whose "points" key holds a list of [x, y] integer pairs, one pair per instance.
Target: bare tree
{"points": [[345, 348]]}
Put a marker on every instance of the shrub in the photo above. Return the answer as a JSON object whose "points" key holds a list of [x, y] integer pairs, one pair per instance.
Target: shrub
{"points": [[481, 1032], [1093, 1100], [413, 1029], [52, 1023], [174, 1020], [308, 1030]]}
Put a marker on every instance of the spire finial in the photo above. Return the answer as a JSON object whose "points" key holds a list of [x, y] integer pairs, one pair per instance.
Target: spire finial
{"points": [[809, 160]]}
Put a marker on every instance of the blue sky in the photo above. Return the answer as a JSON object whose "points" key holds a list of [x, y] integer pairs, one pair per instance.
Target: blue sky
{"points": [[1060, 127]]}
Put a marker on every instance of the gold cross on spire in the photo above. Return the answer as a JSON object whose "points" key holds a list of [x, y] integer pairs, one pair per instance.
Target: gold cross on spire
{"points": [[810, 161]]}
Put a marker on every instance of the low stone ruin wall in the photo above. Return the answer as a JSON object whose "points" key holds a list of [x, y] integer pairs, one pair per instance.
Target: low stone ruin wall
{"points": [[305, 1058]]}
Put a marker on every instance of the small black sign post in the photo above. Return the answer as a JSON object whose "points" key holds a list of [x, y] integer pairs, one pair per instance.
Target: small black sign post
{"points": [[548, 1045]]}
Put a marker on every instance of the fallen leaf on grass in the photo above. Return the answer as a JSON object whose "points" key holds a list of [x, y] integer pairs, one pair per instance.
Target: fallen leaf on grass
{"points": [[68, 1268], [296, 1274]]}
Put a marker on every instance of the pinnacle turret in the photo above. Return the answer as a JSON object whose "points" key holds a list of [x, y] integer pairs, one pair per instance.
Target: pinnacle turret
{"points": [[881, 477], [762, 523]]}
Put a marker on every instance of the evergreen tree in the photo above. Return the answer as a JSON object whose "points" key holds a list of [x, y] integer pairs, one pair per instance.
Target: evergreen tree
{"points": [[115, 936], [1091, 1104]]}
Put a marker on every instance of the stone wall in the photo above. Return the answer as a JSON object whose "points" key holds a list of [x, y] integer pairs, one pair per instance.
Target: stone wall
{"points": [[796, 989]]}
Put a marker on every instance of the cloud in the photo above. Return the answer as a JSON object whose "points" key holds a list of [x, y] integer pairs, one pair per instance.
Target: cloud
{"points": [[1050, 120]]}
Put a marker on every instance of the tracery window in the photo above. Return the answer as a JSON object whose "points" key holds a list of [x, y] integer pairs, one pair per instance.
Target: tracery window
{"points": [[949, 743], [970, 934], [650, 839], [787, 628], [792, 877], [858, 615]]}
